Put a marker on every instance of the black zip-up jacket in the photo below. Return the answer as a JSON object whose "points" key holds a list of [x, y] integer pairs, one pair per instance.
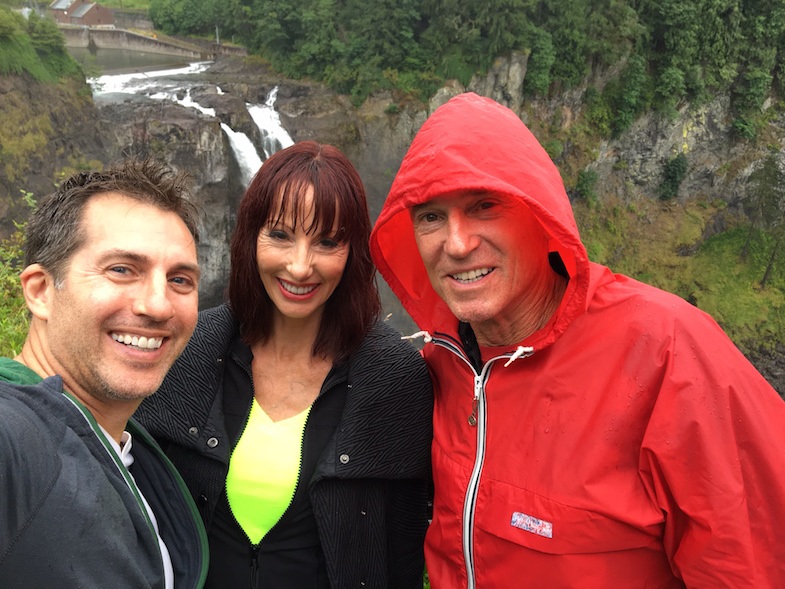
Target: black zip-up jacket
{"points": [[365, 472], [68, 516]]}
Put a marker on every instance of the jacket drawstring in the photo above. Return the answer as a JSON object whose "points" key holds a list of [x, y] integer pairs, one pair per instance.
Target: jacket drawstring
{"points": [[528, 350], [426, 337], [520, 352]]}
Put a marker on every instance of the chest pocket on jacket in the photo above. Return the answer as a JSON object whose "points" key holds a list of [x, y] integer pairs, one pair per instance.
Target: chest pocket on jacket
{"points": [[541, 524]]}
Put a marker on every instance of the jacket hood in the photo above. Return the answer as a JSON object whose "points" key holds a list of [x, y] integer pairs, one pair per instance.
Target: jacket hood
{"points": [[474, 144]]}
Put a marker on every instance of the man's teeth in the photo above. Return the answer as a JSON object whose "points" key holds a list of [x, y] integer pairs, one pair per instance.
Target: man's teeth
{"points": [[471, 275], [146, 343], [298, 290]]}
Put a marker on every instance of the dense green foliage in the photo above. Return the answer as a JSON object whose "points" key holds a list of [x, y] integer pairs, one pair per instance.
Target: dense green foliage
{"points": [[33, 46], [13, 311], [668, 51]]}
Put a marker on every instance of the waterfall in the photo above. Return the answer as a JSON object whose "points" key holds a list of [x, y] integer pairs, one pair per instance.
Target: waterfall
{"points": [[243, 148], [187, 101], [244, 152], [274, 136]]}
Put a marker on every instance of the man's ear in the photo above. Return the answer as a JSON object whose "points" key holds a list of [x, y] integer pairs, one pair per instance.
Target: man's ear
{"points": [[37, 287]]}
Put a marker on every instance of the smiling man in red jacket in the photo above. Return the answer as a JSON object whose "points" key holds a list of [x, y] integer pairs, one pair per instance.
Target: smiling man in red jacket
{"points": [[590, 431]]}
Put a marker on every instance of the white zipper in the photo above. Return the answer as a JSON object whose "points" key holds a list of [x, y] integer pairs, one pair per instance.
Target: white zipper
{"points": [[476, 419]]}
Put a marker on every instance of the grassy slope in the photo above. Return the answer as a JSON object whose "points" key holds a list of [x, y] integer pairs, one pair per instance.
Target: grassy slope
{"points": [[141, 5], [648, 240]]}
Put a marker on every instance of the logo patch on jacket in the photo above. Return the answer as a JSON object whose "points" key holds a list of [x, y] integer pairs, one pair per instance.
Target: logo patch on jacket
{"points": [[532, 524]]}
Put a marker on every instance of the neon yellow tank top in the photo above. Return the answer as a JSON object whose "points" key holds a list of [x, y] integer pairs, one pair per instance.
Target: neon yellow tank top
{"points": [[263, 471]]}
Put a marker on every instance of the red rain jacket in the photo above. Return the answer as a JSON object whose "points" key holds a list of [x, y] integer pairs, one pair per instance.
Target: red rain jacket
{"points": [[634, 447]]}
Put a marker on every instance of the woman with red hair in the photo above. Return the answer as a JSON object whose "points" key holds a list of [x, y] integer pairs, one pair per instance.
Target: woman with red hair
{"points": [[300, 422]]}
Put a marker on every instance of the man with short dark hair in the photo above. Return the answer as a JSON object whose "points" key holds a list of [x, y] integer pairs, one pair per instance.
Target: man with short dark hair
{"points": [[88, 498], [590, 431]]}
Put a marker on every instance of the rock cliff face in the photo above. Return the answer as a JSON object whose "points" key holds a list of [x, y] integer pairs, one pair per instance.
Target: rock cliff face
{"points": [[631, 166], [189, 141], [61, 129]]}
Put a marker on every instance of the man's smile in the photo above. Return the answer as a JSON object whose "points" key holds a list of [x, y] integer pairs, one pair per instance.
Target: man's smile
{"points": [[471, 275], [142, 342]]}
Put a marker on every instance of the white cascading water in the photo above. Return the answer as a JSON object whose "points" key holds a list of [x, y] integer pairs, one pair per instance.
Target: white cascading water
{"points": [[244, 152], [138, 82], [274, 136]]}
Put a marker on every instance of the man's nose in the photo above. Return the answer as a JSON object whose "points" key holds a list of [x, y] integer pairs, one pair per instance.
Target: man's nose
{"points": [[462, 238], [153, 299]]}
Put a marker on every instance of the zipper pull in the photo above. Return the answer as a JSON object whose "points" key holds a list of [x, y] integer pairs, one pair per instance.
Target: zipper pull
{"points": [[477, 388], [254, 567], [473, 417]]}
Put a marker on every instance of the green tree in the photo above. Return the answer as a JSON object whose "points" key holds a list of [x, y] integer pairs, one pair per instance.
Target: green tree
{"points": [[451, 37], [635, 97], [275, 29], [380, 45], [766, 210], [613, 31], [598, 112], [695, 46], [671, 88], [567, 22], [49, 43], [762, 27], [586, 187], [673, 173], [541, 60], [183, 17], [721, 41], [387, 31], [466, 36], [45, 36], [502, 24]]}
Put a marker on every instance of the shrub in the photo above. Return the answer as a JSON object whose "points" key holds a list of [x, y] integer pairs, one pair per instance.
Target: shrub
{"points": [[745, 128], [599, 114], [673, 173], [13, 312], [586, 187], [554, 148]]}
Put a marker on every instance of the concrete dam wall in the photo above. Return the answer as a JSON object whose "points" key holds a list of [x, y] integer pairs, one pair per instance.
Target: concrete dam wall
{"points": [[121, 39]]}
